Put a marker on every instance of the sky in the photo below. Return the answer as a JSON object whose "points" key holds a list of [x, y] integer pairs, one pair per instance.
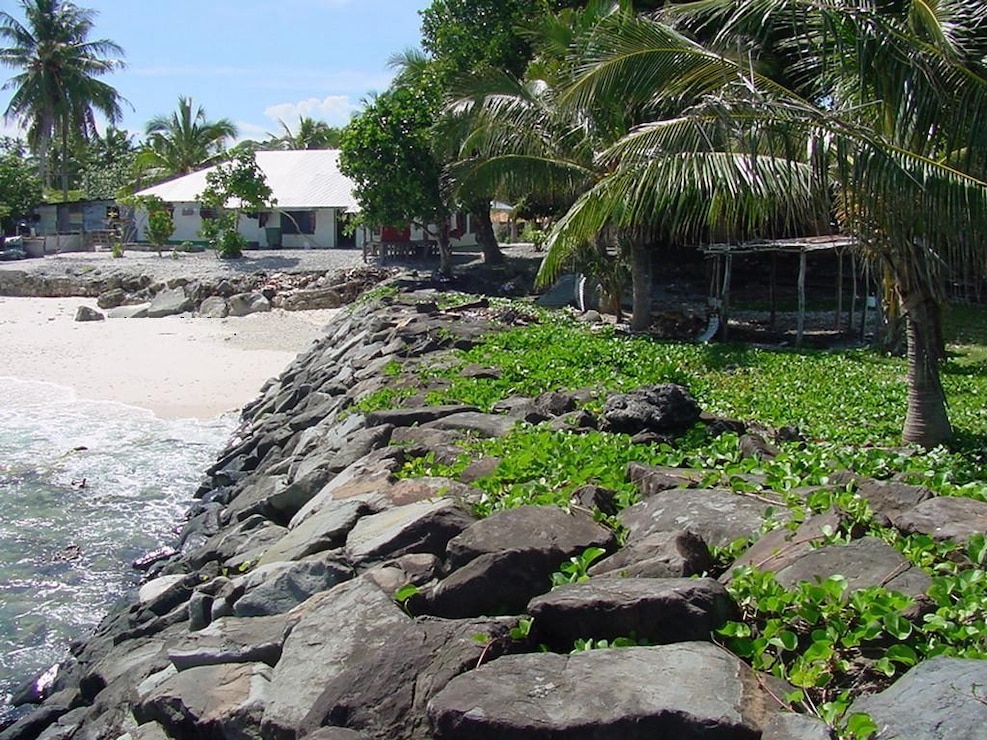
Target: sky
{"points": [[252, 61]]}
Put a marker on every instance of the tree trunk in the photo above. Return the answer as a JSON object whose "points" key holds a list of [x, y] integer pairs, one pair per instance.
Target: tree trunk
{"points": [[445, 251], [926, 421], [485, 235], [641, 285], [64, 163]]}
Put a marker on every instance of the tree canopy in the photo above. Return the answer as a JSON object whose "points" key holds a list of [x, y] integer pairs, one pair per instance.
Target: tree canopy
{"points": [[57, 90], [185, 140], [387, 152], [20, 185]]}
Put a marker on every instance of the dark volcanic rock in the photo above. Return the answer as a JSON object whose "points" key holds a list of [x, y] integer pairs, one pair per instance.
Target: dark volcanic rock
{"points": [[940, 699], [674, 554], [337, 629], [889, 498], [385, 695], [85, 313], [866, 562], [493, 583], [789, 726], [483, 425], [279, 587], [946, 518], [221, 701], [704, 693], [546, 529], [719, 517], [658, 610], [232, 640], [423, 527], [420, 415], [664, 408]]}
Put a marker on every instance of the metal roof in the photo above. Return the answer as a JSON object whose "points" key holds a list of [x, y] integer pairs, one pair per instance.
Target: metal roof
{"points": [[302, 179]]}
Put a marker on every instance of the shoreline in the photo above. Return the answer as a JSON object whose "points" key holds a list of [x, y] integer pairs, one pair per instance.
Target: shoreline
{"points": [[176, 367]]}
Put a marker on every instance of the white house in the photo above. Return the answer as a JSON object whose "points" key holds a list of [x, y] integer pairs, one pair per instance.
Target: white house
{"points": [[313, 201], [312, 197]]}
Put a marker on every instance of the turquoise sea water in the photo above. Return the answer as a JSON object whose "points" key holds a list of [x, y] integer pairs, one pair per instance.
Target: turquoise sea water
{"points": [[85, 488]]}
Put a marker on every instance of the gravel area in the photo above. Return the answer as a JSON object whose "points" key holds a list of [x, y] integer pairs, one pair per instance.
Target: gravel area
{"points": [[206, 266], [192, 265]]}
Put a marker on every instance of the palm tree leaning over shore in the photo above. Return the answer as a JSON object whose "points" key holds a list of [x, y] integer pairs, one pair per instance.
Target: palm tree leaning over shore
{"points": [[57, 90], [880, 120], [184, 141]]}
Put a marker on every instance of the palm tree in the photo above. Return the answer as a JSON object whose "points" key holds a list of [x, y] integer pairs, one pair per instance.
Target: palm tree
{"points": [[883, 108], [310, 134], [184, 141], [57, 90]]}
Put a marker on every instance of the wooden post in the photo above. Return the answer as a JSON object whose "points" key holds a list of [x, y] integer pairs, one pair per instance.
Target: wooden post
{"points": [[801, 317], [863, 311], [725, 296], [853, 299], [771, 288], [839, 290]]}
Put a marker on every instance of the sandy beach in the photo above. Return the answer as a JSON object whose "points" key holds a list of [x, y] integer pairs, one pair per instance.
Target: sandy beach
{"points": [[178, 367]]}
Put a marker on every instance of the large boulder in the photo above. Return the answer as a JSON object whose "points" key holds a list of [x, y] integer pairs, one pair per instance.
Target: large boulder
{"points": [[279, 587], [946, 518], [169, 302], [939, 699], [244, 304], [336, 629], [214, 307], [385, 695], [675, 554], [493, 583], [546, 529], [720, 517], [221, 701], [232, 640], [864, 563], [422, 527], [656, 610], [688, 690], [86, 313], [664, 409]]}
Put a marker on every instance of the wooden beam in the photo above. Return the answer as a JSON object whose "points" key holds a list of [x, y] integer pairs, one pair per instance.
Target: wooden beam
{"points": [[837, 324], [725, 296], [801, 317]]}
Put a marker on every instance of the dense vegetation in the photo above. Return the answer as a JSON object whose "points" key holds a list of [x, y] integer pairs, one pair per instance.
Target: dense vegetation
{"points": [[828, 643]]}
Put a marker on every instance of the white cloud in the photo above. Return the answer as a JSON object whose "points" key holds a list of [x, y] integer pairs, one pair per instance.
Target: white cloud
{"points": [[335, 110], [252, 131]]}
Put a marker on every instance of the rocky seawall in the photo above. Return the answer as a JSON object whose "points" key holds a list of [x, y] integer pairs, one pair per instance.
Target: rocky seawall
{"points": [[318, 594]]}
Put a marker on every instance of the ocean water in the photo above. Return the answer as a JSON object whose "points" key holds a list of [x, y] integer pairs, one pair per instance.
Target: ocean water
{"points": [[85, 488]]}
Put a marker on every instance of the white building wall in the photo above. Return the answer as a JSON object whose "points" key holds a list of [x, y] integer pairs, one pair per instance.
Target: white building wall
{"points": [[188, 223]]}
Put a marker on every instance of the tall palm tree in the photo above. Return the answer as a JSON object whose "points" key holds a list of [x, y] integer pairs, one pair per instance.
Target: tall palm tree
{"points": [[310, 134], [884, 108], [184, 141], [57, 91]]}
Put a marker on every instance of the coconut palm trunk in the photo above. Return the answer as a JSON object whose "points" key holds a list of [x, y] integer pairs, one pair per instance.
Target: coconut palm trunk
{"points": [[641, 284], [926, 420], [485, 237]]}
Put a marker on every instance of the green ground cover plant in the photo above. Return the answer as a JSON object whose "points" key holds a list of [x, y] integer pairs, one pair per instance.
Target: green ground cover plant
{"points": [[829, 643]]}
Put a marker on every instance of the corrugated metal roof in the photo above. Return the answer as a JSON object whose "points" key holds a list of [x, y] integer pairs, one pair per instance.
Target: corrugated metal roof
{"points": [[303, 179]]}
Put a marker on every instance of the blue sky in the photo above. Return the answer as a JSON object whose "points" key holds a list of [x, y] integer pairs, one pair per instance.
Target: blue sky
{"points": [[252, 61]]}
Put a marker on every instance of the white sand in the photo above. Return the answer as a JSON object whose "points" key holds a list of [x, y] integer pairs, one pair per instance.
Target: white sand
{"points": [[177, 367]]}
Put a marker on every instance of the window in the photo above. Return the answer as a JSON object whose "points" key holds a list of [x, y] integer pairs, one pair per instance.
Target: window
{"points": [[205, 213], [298, 222]]}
